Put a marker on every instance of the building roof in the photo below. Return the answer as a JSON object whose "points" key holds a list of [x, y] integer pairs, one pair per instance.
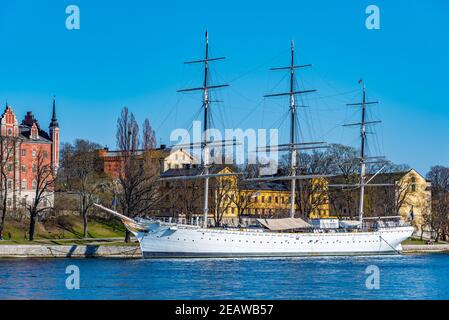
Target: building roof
{"points": [[265, 186], [25, 133], [382, 177], [161, 152], [194, 170], [190, 171]]}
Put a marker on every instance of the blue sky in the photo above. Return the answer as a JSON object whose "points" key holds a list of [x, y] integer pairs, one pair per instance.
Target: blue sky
{"points": [[131, 53]]}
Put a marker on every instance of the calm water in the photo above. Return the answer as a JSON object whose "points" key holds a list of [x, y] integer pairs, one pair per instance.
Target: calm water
{"points": [[401, 277]]}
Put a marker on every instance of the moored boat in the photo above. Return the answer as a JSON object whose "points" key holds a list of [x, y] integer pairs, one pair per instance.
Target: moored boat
{"points": [[284, 237]]}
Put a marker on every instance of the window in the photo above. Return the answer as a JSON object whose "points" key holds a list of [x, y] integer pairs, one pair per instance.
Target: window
{"points": [[269, 199], [24, 184], [34, 167], [413, 184], [9, 202], [9, 167], [263, 199], [9, 132], [34, 185], [9, 184], [45, 154], [24, 168], [24, 152], [33, 153]]}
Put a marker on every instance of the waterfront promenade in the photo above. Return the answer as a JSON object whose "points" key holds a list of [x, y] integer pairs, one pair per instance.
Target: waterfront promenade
{"points": [[130, 251]]}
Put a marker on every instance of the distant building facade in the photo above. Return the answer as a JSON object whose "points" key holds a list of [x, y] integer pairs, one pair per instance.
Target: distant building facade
{"points": [[407, 194], [230, 199], [112, 162], [21, 143]]}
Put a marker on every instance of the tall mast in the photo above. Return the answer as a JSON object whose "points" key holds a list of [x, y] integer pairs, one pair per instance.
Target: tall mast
{"points": [[204, 148], [363, 156], [206, 103], [293, 144], [293, 152]]}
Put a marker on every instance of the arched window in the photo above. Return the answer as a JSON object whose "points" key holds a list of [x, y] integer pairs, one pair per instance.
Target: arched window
{"points": [[413, 184]]}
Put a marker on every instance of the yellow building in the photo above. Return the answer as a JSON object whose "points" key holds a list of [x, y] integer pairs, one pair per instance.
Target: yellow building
{"points": [[230, 198], [414, 197], [405, 193]]}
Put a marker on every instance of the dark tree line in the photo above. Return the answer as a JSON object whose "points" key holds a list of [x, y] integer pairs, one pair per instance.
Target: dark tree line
{"points": [[437, 220]]}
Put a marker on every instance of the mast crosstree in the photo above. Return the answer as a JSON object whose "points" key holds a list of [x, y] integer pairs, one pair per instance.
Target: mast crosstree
{"points": [[293, 146], [206, 104], [363, 158]]}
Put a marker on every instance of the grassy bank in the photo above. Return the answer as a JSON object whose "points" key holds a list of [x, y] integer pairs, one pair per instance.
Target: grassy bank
{"points": [[66, 229], [413, 241]]}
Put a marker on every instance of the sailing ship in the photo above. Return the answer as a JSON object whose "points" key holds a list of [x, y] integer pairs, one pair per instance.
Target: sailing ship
{"points": [[283, 237]]}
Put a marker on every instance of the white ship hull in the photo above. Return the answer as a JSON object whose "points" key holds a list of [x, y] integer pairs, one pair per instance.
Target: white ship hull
{"points": [[166, 240]]}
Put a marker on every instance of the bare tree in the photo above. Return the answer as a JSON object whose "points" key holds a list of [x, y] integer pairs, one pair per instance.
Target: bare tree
{"points": [[439, 218], [311, 195], [242, 198], [127, 135], [78, 170], [138, 187], [7, 147], [148, 136], [184, 197], [222, 191], [43, 188], [345, 165]]}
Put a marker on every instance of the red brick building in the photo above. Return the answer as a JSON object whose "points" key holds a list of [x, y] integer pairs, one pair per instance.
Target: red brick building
{"points": [[111, 162], [21, 143]]}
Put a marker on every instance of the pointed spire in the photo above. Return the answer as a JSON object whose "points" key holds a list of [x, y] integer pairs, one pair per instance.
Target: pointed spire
{"points": [[54, 121]]}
